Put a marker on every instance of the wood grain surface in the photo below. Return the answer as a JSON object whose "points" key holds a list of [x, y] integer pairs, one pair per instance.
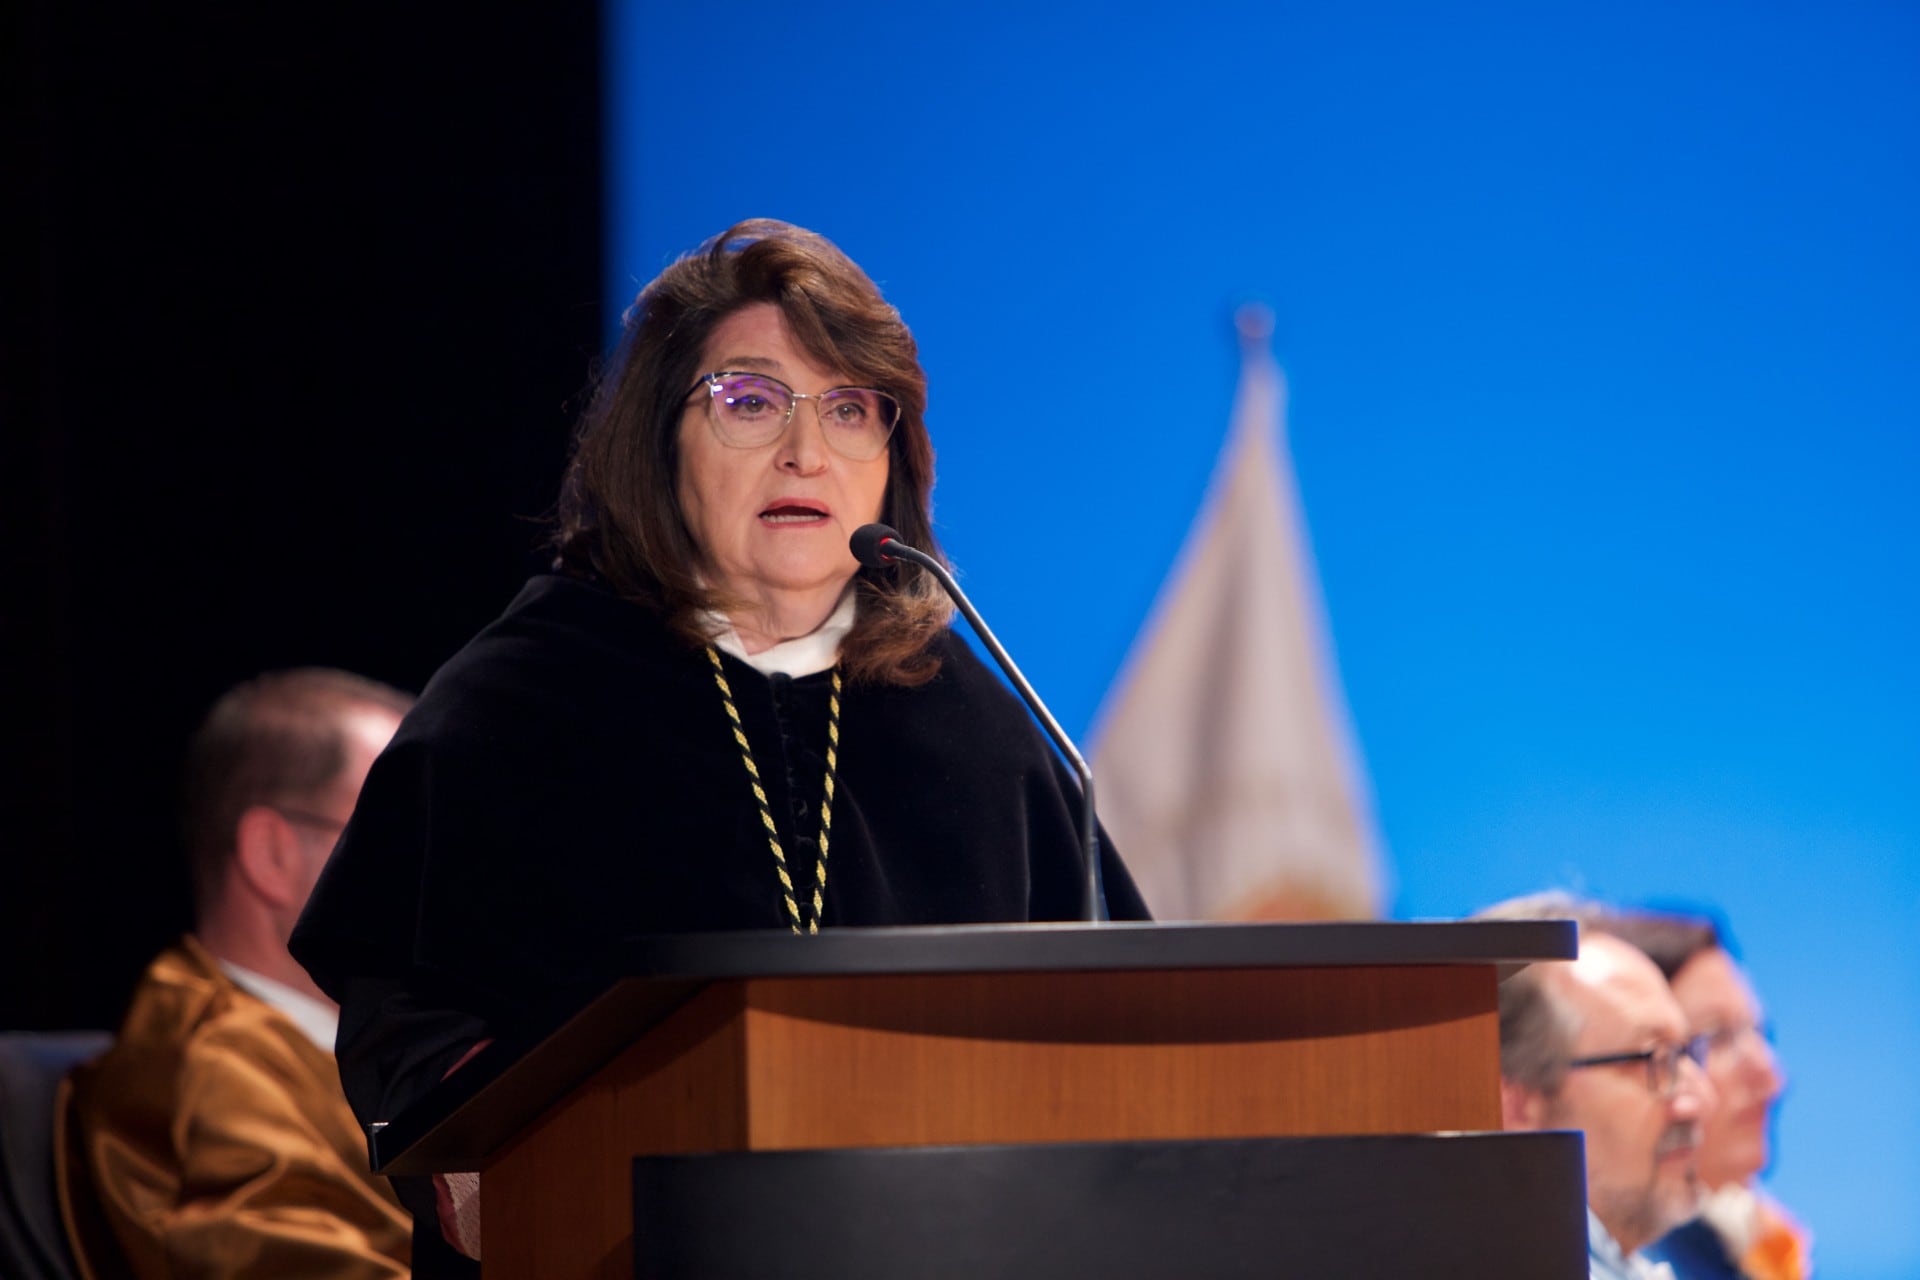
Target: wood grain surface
{"points": [[892, 1060]]}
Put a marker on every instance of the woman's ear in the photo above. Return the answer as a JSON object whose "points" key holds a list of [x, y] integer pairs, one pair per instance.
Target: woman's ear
{"points": [[267, 857]]}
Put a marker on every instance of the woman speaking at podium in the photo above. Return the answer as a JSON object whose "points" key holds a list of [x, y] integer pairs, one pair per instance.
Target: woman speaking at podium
{"points": [[709, 716]]}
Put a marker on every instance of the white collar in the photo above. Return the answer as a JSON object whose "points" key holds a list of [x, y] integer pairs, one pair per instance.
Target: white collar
{"points": [[1733, 1211], [1606, 1260], [803, 655], [319, 1021]]}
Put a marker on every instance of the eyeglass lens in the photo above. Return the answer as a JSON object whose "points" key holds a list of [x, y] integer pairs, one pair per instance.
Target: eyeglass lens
{"points": [[750, 410], [1727, 1042], [1663, 1064]]}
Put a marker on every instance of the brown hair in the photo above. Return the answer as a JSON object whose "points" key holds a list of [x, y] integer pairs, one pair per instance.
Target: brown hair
{"points": [[619, 515], [1669, 939], [277, 738]]}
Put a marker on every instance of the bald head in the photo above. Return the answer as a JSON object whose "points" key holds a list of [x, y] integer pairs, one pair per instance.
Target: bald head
{"points": [[1612, 974]]}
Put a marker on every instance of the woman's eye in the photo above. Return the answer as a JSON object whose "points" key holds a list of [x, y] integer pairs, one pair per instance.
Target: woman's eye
{"points": [[749, 406]]}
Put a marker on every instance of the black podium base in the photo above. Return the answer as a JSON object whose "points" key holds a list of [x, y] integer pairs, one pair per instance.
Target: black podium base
{"points": [[1485, 1206]]}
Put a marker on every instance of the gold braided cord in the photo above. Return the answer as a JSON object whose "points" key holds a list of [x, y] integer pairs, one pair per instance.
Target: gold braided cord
{"points": [[826, 797], [797, 920], [759, 792]]}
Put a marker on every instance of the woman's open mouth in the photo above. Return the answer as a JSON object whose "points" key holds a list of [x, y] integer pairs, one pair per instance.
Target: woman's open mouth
{"points": [[789, 513]]}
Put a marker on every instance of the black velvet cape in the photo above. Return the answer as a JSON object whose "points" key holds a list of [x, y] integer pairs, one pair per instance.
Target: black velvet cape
{"points": [[570, 779]]}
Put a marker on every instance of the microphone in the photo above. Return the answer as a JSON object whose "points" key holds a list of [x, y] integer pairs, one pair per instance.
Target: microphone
{"points": [[876, 546]]}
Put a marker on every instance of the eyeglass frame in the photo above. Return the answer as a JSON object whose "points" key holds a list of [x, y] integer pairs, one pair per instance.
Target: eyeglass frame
{"points": [[1693, 1048], [709, 381], [308, 817], [1735, 1038]]}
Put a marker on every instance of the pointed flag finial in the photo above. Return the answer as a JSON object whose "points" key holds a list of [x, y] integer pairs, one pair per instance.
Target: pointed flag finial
{"points": [[1254, 320], [1223, 754]]}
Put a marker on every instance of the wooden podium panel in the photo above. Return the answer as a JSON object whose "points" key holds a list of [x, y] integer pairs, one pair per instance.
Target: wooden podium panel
{"points": [[786, 1063], [990, 1035], [942, 1058]]}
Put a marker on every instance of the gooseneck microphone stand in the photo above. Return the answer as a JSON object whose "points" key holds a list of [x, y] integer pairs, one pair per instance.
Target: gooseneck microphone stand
{"points": [[877, 546]]}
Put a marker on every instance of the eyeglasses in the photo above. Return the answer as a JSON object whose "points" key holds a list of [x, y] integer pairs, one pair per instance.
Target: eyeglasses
{"points": [[1663, 1062], [310, 819], [1726, 1042], [749, 410]]}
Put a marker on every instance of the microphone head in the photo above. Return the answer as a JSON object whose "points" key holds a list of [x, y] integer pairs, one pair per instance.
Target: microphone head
{"points": [[866, 545]]}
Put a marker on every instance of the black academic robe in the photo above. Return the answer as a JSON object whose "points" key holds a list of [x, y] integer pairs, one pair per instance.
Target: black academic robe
{"points": [[570, 779]]}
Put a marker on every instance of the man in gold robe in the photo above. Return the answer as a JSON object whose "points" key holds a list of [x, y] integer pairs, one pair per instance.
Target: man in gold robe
{"points": [[213, 1139]]}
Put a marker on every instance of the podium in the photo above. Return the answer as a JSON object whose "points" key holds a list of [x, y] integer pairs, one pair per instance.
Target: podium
{"points": [[1126, 1099]]}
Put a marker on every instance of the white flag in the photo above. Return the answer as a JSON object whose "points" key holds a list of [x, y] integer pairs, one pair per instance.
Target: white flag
{"points": [[1222, 759]]}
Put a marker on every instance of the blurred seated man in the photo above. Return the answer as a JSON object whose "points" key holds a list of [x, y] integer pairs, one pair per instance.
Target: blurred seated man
{"points": [[1741, 1233], [1599, 1043], [213, 1139]]}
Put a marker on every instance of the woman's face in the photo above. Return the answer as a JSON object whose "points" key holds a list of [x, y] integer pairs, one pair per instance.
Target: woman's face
{"points": [[1721, 1005], [773, 520]]}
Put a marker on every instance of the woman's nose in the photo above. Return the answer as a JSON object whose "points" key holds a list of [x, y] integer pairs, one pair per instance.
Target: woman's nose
{"points": [[803, 449], [1766, 1063]]}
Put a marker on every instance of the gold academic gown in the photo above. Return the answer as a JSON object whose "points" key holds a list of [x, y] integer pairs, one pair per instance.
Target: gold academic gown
{"points": [[214, 1140]]}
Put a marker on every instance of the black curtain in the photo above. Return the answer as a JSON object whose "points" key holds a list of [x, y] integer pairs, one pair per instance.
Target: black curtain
{"points": [[296, 324]]}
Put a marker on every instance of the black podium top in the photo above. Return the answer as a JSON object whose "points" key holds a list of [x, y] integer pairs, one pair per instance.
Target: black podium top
{"points": [[507, 1085], [1065, 948]]}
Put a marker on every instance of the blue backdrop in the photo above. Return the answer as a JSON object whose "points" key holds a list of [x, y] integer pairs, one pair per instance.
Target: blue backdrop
{"points": [[1602, 329]]}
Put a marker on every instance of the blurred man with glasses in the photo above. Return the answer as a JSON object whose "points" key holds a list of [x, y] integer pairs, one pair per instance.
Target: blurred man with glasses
{"points": [[1600, 1044], [213, 1138], [1742, 1233]]}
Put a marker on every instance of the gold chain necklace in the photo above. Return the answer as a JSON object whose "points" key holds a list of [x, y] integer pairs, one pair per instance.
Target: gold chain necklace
{"points": [[797, 917]]}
